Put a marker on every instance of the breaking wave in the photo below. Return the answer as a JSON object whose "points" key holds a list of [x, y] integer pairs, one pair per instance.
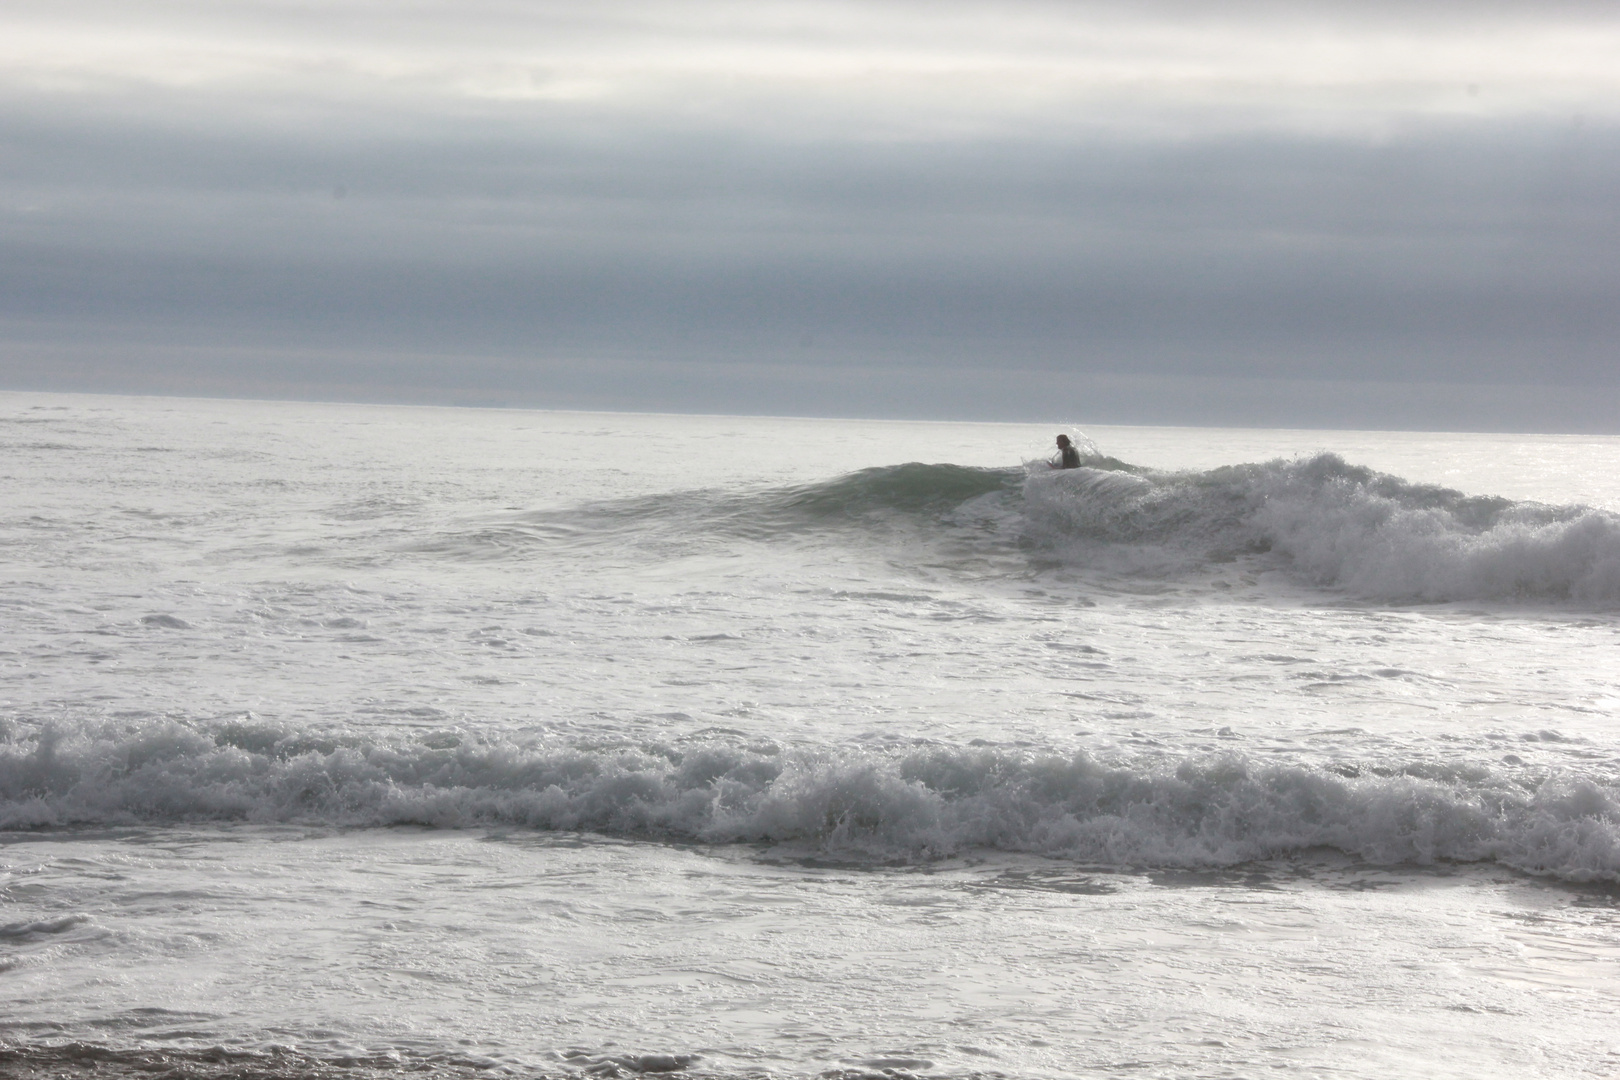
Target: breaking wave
{"points": [[1200, 811], [1321, 520], [1338, 525]]}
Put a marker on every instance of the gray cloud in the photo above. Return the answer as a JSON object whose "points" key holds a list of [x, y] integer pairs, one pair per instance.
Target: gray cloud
{"points": [[583, 251]]}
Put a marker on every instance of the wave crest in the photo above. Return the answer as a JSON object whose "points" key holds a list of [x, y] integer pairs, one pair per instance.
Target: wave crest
{"points": [[1217, 810], [1342, 526]]}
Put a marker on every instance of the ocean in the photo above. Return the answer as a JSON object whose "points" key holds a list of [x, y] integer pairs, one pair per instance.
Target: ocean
{"points": [[365, 741]]}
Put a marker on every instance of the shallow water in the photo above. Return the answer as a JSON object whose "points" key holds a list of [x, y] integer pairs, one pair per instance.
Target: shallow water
{"points": [[356, 738]]}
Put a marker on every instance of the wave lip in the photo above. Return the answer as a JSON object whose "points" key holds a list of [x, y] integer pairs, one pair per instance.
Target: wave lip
{"points": [[912, 488], [1205, 811], [1341, 526]]}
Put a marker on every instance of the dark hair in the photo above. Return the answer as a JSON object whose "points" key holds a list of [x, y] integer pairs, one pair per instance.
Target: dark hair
{"points": [[1063, 440]]}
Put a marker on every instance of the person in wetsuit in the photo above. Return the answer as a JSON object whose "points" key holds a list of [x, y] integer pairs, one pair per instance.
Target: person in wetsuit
{"points": [[1071, 454]]}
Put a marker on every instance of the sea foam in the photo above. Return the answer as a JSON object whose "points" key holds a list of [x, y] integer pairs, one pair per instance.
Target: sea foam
{"points": [[1198, 811], [1334, 524]]}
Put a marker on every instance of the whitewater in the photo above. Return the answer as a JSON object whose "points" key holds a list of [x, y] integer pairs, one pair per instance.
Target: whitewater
{"points": [[367, 741]]}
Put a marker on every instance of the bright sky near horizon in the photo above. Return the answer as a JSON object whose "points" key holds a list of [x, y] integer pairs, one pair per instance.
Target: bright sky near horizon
{"points": [[1338, 214]]}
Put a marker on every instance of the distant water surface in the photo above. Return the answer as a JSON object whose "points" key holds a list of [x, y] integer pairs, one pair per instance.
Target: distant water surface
{"points": [[358, 739]]}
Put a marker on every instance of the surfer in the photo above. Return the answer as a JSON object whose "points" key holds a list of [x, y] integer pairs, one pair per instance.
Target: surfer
{"points": [[1071, 454]]}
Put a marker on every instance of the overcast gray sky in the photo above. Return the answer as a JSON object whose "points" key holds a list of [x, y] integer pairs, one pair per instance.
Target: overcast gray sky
{"points": [[1339, 214]]}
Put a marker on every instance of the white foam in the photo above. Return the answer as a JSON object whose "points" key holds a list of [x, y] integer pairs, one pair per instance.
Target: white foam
{"points": [[1372, 535], [1213, 810]]}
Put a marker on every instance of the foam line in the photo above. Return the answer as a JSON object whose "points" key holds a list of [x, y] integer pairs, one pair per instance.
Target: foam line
{"points": [[1193, 812]]}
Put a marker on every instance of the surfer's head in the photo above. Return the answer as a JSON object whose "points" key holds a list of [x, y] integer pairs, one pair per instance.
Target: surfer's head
{"points": [[1063, 440]]}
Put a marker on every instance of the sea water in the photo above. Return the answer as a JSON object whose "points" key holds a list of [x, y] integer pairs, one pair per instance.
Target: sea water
{"points": [[349, 740]]}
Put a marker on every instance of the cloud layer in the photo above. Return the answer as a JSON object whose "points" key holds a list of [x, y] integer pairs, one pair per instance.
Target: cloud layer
{"points": [[716, 206]]}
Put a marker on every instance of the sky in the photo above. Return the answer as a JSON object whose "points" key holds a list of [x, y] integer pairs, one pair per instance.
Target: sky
{"points": [[1368, 214]]}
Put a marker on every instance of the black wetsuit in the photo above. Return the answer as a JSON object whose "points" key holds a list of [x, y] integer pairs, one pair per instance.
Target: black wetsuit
{"points": [[1071, 457]]}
